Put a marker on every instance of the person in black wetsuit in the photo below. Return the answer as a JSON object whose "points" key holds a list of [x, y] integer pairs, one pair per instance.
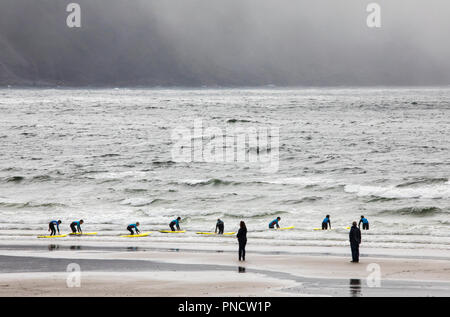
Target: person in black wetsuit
{"points": [[175, 222], [242, 239], [355, 241], [220, 226], [76, 226], [51, 227], [364, 222], [326, 222]]}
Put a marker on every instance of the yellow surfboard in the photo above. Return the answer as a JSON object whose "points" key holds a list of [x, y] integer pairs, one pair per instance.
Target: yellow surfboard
{"points": [[83, 234], [285, 228], [136, 235], [56, 236], [170, 231], [214, 233]]}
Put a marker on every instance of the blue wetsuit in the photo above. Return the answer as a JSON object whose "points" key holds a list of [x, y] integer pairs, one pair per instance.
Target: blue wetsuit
{"points": [[365, 223], [174, 223], [77, 224], [51, 226], [130, 228], [325, 223], [274, 223]]}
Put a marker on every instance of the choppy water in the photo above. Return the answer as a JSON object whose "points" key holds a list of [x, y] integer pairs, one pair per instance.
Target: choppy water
{"points": [[106, 156]]}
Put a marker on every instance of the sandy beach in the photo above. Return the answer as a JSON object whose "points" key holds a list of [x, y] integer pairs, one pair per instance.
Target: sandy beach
{"points": [[163, 269]]}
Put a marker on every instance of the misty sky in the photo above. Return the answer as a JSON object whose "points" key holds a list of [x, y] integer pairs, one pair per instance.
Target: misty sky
{"points": [[226, 42]]}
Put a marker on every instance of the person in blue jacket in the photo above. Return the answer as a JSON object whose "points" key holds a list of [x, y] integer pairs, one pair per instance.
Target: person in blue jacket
{"points": [[51, 227], [274, 223], [135, 227], [76, 226], [175, 222], [326, 222], [364, 222]]}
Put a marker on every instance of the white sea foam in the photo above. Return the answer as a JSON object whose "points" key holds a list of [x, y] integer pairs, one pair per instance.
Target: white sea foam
{"points": [[427, 192]]}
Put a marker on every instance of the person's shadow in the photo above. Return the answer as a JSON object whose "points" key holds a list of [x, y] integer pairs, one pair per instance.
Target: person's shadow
{"points": [[241, 269]]}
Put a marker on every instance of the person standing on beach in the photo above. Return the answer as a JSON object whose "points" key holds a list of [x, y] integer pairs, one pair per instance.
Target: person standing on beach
{"points": [[76, 226], [51, 227], [175, 222], [355, 241], [326, 222], [133, 226], [220, 226], [275, 223], [242, 239], [365, 223]]}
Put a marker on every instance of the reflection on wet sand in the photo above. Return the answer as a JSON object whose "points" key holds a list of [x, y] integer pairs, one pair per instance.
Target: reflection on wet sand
{"points": [[355, 287]]}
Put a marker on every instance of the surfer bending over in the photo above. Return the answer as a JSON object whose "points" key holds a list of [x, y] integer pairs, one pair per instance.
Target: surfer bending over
{"points": [[365, 223], [275, 223], [135, 226], [51, 226], [220, 226], [326, 222], [76, 226], [175, 222]]}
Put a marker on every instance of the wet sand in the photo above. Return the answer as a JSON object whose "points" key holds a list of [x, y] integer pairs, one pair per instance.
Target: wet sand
{"points": [[39, 269]]}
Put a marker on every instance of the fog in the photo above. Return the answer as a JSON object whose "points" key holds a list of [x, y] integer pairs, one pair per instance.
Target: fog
{"points": [[224, 43]]}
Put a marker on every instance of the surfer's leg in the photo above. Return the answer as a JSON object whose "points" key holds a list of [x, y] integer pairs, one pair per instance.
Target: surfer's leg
{"points": [[130, 229], [52, 230]]}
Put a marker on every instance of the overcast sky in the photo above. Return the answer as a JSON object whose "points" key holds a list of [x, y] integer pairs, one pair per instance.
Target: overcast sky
{"points": [[232, 42]]}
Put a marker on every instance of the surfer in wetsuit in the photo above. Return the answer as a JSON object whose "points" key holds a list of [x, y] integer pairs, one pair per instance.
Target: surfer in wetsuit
{"points": [[175, 222], [242, 239], [364, 222], [51, 227], [133, 226], [220, 226], [275, 223], [76, 226], [326, 222]]}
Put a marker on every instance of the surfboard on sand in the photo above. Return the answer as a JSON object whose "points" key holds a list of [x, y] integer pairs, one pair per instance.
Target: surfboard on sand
{"points": [[56, 236], [135, 235], [286, 228], [82, 233], [170, 231], [214, 233], [348, 228]]}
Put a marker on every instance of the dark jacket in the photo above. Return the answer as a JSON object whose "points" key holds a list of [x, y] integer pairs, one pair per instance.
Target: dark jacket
{"points": [[242, 234], [355, 235]]}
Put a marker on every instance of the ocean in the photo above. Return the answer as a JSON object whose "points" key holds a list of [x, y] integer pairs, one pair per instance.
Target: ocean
{"points": [[107, 156]]}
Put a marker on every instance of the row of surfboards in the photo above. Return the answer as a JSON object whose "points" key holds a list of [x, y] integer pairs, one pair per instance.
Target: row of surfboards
{"points": [[144, 234]]}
